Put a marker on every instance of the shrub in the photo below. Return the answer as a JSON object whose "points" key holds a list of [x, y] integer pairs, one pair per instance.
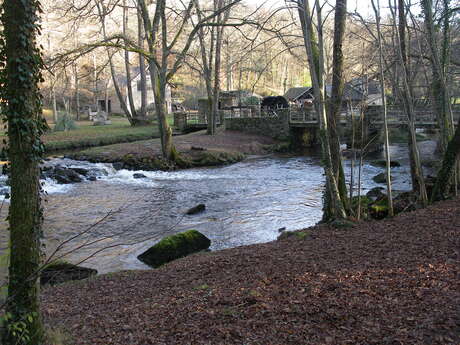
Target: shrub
{"points": [[65, 123]]}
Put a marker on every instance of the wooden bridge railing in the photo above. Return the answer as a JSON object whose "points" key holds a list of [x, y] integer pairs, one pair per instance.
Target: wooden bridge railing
{"points": [[308, 116]]}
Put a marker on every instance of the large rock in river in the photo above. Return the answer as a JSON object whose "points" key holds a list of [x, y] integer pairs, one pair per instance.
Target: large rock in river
{"points": [[175, 247]]}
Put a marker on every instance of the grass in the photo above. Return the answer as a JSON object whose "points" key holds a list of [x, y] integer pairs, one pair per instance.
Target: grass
{"points": [[88, 135]]}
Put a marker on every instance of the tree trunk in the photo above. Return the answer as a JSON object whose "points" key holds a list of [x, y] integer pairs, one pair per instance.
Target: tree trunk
{"points": [[55, 111], [441, 99], [445, 174], [335, 103], [143, 110], [418, 182], [221, 19], [22, 73], [334, 208], [384, 106], [132, 107], [113, 74]]}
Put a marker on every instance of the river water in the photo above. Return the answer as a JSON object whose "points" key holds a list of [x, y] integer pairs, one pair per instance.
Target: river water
{"points": [[117, 217]]}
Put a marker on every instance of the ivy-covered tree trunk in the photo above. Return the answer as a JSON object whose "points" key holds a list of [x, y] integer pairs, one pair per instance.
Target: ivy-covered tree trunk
{"points": [[445, 174], [22, 105]]}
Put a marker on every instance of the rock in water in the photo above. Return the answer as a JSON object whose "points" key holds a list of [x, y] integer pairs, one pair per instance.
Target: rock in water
{"points": [[138, 175], [65, 176], [380, 178], [63, 271], [376, 193], [197, 209], [174, 247], [383, 163]]}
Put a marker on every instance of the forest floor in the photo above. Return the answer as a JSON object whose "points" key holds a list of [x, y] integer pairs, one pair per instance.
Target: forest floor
{"points": [[196, 149], [394, 281]]}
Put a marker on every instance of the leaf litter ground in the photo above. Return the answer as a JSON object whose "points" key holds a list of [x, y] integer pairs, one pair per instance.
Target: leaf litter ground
{"points": [[389, 282]]}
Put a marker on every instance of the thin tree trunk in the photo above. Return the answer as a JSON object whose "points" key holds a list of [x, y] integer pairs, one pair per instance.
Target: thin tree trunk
{"points": [[55, 111], [384, 106], [129, 88], [124, 107], [440, 93], [22, 74], [418, 182], [142, 113]]}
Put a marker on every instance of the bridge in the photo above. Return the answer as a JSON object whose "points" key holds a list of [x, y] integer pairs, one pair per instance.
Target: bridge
{"points": [[303, 124], [424, 118]]}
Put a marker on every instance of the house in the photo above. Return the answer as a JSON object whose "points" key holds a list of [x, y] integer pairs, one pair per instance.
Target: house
{"points": [[237, 98], [363, 89], [299, 95], [355, 92], [136, 89]]}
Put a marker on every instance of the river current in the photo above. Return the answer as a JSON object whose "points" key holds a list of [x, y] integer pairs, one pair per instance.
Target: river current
{"points": [[117, 217]]}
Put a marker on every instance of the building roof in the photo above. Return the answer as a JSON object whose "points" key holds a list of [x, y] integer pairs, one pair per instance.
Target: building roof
{"points": [[295, 93], [359, 88]]}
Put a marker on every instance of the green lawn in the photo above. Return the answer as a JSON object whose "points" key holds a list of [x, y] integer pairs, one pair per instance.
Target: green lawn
{"points": [[88, 135]]}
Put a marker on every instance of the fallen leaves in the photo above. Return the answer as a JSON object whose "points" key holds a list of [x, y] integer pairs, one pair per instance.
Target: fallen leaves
{"points": [[388, 282]]}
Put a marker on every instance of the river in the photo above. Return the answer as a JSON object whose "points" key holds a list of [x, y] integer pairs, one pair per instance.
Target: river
{"points": [[246, 203]]}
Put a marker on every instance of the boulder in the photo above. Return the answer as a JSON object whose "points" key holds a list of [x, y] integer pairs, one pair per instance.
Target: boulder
{"points": [[118, 165], [379, 209], [81, 171], [138, 175], [60, 272], [65, 175], [174, 247], [197, 148], [376, 193], [197, 209], [383, 163], [380, 178]]}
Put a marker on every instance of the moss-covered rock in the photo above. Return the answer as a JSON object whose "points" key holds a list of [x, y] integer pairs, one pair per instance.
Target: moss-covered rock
{"points": [[379, 209], [61, 271], [175, 247], [214, 158], [380, 178], [376, 193], [299, 234]]}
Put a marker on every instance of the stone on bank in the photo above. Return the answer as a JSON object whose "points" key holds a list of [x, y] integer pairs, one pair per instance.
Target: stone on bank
{"points": [[174, 247]]}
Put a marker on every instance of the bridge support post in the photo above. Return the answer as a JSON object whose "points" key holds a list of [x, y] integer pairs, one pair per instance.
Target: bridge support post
{"points": [[303, 137], [180, 120], [365, 134]]}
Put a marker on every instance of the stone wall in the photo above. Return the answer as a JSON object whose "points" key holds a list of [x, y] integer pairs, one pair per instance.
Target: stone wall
{"points": [[275, 127]]}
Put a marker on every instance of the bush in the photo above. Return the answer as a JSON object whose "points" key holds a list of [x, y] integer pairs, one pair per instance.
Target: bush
{"points": [[65, 123]]}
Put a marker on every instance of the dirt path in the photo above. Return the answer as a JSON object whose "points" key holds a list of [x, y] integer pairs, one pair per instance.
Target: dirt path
{"points": [[388, 282]]}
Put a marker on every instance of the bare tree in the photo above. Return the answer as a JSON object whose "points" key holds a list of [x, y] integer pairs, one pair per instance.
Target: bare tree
{"points": [[376, 8], [334, 208]]}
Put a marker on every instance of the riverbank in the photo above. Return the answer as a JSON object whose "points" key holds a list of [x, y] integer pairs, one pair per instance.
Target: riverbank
{"points": [[386, 282], [196, 150]]}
